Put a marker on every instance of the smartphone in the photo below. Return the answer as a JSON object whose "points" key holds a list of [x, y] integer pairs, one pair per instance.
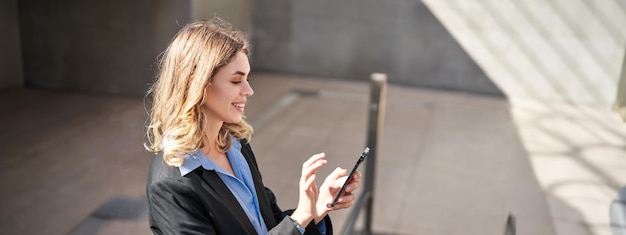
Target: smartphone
{"points": [[343, 188]]}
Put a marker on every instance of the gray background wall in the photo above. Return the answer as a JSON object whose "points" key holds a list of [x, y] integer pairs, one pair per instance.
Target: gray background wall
{"points": [[10, 53], [353, 38], [101, 47], [544, 50], [236, 12]]}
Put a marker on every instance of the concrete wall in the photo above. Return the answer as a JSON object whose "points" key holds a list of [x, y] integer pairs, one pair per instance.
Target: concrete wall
{"points": [[551, 50], [236, 12], [547, 50], [103, 46], [10, 53], [353, 38]]}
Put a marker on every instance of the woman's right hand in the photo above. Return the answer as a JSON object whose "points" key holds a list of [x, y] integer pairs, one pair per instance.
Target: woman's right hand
{"points": [[308, 190]]}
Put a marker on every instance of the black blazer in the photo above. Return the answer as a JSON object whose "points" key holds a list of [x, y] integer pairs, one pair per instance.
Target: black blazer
{"points": [[200, 203]]}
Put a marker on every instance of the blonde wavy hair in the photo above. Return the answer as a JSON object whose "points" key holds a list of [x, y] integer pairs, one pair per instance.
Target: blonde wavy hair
{"points": [[176, 120]]}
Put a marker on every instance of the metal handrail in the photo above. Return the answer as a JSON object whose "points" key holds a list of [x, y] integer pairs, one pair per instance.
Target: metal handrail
{"points": [[511, 227], [354, 213], [374, 128]]}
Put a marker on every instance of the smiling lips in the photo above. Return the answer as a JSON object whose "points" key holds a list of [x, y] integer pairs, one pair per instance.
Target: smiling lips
{"points": [[239, 106]]}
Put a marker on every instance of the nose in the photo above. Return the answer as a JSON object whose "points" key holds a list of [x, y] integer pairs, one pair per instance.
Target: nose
{"points": [[247, 90]]}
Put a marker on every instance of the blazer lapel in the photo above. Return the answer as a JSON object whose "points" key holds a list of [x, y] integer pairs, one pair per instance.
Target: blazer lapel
{"points": [[215, 184], [264, 205]]}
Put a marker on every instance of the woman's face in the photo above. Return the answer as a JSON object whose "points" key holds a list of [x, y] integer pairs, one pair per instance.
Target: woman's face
{"points": [[225, 97]]}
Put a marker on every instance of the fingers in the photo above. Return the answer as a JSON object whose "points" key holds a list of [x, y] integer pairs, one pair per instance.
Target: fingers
{"points": [[338, 182], [313, 163], [354, 182], [309, 182], [347, 197], [352, 186], [344, 201], [313, 159], [336, 174]]}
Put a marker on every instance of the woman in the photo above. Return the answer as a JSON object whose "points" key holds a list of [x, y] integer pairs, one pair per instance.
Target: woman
{"points": [[205, 179]]}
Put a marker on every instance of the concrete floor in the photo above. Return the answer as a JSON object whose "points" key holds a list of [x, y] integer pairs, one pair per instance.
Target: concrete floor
{"points": [[449, 162]]}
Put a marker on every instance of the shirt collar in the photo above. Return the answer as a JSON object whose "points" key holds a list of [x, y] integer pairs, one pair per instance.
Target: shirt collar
{"points": [[190, 163], [196, 159]]}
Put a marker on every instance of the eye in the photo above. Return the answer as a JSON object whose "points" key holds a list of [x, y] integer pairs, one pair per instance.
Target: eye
{"points": [[239, 80], [236, 80]]}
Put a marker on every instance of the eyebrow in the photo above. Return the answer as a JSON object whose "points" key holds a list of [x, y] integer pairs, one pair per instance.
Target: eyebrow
{"points": [[239, 73]]}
